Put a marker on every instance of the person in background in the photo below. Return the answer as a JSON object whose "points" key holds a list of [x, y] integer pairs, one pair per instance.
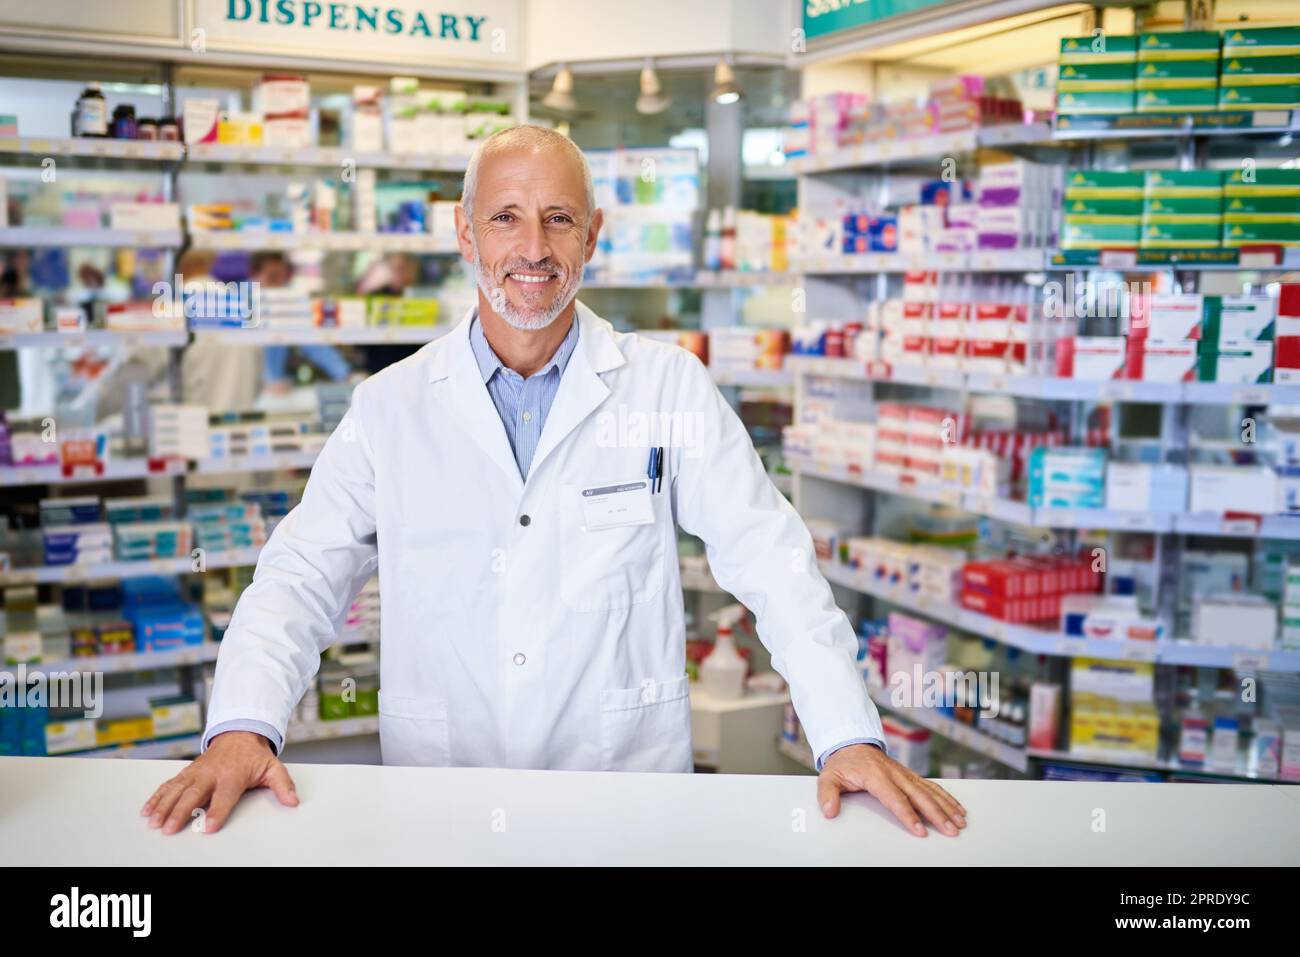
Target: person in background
{"points": [[274, 271], [216, 373], [390, 276]]}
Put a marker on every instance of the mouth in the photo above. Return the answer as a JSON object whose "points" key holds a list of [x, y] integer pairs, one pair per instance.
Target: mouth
{"points": [[533, 279]]}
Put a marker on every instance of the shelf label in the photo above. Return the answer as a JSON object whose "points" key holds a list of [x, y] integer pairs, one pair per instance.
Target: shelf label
{"points": [[1134, 520], [1117, 258], [1140, 651], [1250, 396], [1072, 647], [1251, 661], [1247, 526]]}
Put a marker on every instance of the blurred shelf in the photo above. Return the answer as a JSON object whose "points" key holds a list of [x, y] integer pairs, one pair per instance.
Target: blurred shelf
{"points": [[309, 335], [135, 660], [797, 751], [1127, 126], [174, 339], [256, 463], [1152, 764], [954, 730], [1050, 387], [338, 242], [336, 156], [869, 264], [44, 237], [753, 378], [326, 730], [182, 747], [895, 152], [50, 574], [114, 471], [144, 151]]}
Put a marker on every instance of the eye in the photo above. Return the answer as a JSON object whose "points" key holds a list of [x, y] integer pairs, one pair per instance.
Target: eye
{"points": [[502, 217], [561, 218]]}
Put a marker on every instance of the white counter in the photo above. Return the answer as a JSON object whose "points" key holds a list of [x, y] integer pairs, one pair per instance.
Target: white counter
{"points": [[82, 811]]}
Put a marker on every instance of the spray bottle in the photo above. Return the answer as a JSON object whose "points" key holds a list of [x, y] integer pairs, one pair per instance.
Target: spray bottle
{"points": [[722, 673]]}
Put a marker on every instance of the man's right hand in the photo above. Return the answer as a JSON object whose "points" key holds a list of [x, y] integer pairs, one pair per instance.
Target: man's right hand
{"points": [[235, 762]]}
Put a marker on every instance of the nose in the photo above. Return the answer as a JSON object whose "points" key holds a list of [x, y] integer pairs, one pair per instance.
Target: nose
{"points": [[533, 243]]}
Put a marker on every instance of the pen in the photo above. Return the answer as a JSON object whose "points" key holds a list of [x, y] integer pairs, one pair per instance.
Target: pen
{"points": [[659, 469], [652, 467]]}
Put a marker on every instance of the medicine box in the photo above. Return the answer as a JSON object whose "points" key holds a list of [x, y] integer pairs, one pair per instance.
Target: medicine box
{"points": [[1220, 489]]}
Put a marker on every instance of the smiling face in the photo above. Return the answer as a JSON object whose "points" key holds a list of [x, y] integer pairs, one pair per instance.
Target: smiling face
{"points": [[529, 232]]}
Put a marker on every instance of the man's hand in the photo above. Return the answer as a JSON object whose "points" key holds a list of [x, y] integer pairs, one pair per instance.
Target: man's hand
{"points": [[863, 767], [235, 762]]}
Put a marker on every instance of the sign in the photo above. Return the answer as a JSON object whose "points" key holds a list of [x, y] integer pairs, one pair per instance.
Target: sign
{"points": [[410, 31], [824, 17]]}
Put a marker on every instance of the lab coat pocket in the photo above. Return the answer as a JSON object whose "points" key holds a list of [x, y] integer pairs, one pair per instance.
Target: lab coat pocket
{"points": [[647, 728], [414, 731], [609, 568]]}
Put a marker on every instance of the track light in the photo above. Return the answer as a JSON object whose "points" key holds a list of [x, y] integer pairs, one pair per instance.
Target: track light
{"points": [[652, 99], [561, 95], [725, 88]]}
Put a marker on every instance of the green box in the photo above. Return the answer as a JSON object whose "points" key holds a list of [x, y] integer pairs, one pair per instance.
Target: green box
{"points": [[1178, 74], [1170, 183], [1266, 182], [1181, 235], [1104, 184], [1187, 210], [1256, 322], [1101, 49], [1280, 96], [1098, 235], [1207, 366], [1264, 41], [1093, 210], [1248, 234], [1178, 101], [1261, 209], [1259, 70], [1079, 77], [1179, 45], [1095, 101]]}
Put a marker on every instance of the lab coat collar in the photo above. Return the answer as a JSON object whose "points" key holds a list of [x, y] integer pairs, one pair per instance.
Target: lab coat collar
{"points": [[581, 389]]}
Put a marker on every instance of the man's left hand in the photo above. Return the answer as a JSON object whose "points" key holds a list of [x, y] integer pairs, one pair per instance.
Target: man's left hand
{"points": [[864, 767]]}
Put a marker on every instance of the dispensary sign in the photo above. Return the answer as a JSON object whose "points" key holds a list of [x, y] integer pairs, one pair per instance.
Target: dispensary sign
{"points": [[404, 30], [823, 17]]}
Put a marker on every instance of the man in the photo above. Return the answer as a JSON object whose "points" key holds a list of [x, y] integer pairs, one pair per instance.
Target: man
{"points": [[532, 612]]}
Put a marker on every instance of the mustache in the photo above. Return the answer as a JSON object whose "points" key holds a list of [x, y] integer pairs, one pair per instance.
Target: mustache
{"points": [[547, 265]]}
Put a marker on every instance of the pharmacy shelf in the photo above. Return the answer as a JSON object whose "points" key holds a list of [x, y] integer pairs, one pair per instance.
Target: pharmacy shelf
{"points": [[1130, 126], [256, 463], [171, 339], [1151, 764], [1050, 642], [963, 734], [896, 152], [92, 147], [311, 335], [135, 660], [870, 264], [797, 751], [1050, 387], [114, 471], [336, 242], [753, 378], [168, 748], [58, 574], [703, 279], [45, 237], [334, 156], [328, 730], [1212, 259]]}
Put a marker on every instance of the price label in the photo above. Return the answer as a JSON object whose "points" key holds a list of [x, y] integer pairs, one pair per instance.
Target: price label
{"points": [[1134, 520], [1239, 526], [1118, 258], [1072, 647], [950, 496], [1115, 390], [1257, 260], [1250, 396], [1139, 651], [1251, 661]]}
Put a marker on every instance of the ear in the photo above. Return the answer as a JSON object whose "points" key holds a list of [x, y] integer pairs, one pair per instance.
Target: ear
{"points": [[593, 233], [464, 235]]}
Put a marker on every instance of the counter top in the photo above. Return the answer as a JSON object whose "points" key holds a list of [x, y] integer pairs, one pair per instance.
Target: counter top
{"points": [[79, 811]]}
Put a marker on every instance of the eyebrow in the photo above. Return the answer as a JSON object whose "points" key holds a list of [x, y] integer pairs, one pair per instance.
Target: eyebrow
{"points": [[552, 208]]}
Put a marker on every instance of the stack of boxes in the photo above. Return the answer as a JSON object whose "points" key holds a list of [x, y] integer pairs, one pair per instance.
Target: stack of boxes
{"points": [[1237, 340], [1182, 209], [1097, 74], [1026, 589], [146, 541], [1103, 209], [160, 619], [226, 526], [1287, 355], [1017, 205], [1260, 69], [1261, 207], [178, 431], [1067, 477], [1178, 72], [284, 101], [1112, 709], [1291, 607], [1163, 333], [738, 349]]}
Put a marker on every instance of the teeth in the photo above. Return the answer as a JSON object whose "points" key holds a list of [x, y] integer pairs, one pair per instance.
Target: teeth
{"points": [[520, 278]]}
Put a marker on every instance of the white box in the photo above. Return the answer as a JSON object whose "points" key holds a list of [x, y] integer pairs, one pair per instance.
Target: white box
{"points": [[1139, 487], [21, 315], [200, 117], [1235, 621], [1099, 357], [139, 216], [1217, 489]]}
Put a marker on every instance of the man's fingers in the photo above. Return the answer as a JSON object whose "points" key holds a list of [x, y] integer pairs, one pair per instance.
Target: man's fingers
{"points": [[154, 798], [947, 802], [896, 801], [229, 791], [925, 801], [828, 795], [164, 800], [196, 795], [281, 785]]}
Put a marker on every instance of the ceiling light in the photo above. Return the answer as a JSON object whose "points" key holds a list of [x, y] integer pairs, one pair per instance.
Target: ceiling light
{"points": [[561, 95], [725, 88], [652, 99]]}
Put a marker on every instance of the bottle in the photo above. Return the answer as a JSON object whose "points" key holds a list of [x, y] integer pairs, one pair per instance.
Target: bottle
{"points": [[713, 241], [727, 245], [124, 125], [722, 673], [91, 116]]}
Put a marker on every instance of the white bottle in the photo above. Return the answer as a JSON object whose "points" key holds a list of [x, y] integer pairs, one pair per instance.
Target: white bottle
{"points": [[722, 673], [713, 241]]}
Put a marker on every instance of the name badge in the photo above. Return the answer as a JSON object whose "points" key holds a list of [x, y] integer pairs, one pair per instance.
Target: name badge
{"points": [[616, 505]]}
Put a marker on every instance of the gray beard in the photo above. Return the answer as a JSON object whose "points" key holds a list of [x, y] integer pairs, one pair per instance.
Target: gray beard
{"points": [[503, 307]]}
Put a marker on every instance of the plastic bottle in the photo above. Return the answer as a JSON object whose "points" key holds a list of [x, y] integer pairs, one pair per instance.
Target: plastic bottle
{"points": [[722, 674], [713, 240], [727, 245], [91, 116]]}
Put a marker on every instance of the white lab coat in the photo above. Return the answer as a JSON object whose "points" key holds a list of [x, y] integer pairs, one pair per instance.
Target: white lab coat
{"points": [[542, 645]]}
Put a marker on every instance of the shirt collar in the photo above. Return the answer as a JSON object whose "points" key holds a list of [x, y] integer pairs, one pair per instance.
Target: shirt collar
{"points": [[489, 363]]}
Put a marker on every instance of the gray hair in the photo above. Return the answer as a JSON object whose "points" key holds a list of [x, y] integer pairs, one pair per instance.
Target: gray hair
{"points": [[525, 135]]}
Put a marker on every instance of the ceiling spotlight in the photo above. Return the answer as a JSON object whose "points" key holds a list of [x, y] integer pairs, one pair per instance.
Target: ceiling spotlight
{"points": [[561, 95], [725, 88], [652, 99]]}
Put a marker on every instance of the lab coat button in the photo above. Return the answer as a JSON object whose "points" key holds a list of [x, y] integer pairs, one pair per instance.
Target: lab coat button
{"points": [[525, 521], [519, 658]]}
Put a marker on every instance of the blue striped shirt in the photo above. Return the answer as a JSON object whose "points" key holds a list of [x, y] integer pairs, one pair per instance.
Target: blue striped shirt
{"points": [[523, 404]]}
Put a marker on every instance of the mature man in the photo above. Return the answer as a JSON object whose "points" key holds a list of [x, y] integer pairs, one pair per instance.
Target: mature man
{"points": [[532, 612]]}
